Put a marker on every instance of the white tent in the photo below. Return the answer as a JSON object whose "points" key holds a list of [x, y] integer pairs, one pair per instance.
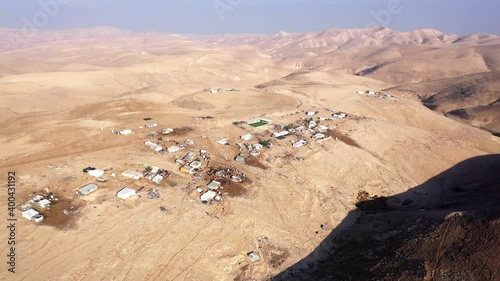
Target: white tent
{"points": [[207, 196], [96, 173], [125, 132], [132, 174], [126, 193]]}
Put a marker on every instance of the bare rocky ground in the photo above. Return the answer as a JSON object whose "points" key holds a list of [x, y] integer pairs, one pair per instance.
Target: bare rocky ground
{"points": [[62, 93], [454, 239]]}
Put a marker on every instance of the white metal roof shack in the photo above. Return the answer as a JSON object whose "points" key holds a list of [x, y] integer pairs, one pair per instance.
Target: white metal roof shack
{"points": [[96, 173], [87, 189], [173, 148], [281, 134], [207, 196], [32, 215], [125, 193], [125, 132], [44, 203], [246, 137], [132, 174], [214, 185]]}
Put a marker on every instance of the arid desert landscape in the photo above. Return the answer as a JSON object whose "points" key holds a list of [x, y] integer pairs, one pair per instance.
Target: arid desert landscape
{"points": [[250, 157]]}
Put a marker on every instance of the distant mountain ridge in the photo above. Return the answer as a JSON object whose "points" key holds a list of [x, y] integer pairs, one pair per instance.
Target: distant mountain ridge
{"points": [[422, 63], [331, 38], [345, 38]]}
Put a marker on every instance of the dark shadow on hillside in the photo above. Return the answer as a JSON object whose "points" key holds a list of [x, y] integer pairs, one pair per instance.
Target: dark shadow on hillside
{"points": [[444, 229]]}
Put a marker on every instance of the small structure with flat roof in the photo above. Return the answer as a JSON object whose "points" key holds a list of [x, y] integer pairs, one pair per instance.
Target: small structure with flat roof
{"points": [[132, 174], [214, 185], [87, 189], [126, 193], [32, 215]]}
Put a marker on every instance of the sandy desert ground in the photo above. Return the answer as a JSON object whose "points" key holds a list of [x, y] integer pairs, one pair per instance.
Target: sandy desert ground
{"points": [[61, 98]]}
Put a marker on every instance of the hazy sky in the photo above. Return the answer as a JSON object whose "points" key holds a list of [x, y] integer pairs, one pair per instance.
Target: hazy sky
{"points": [[254, 16]]}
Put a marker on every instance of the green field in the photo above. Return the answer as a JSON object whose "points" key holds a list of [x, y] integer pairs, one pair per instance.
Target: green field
{"points": [[258, 124]]}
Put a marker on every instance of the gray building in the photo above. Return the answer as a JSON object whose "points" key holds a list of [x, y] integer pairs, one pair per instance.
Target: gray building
{"points": [[89, 188]]}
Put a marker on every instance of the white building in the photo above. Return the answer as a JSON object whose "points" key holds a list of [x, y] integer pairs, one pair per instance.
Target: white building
{"points": [[311, 113], [96, 173], [214, 185], [36, 199], [340, 115], [45, 203], [173, 148], [157, 179], [258, 146], [32, 215], [371, 93], [281, 134], [299, 143], [89, 188], [132, 174], [125, 132], [167, 131], [189, 142], [322, 128], [246, 137], [207, 196], [126, 193], [153, 146], [318, 136], [361, 92], [152, 125], [195, 164]]}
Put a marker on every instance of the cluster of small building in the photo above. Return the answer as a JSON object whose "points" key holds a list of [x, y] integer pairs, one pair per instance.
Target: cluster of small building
{"points": [[44, 202], [171, 149], [216, 90], [246, 149], [308, 125], [192, 164], [212, 192], [367, 92], [60, 168], [380, 95], [149, 125]]}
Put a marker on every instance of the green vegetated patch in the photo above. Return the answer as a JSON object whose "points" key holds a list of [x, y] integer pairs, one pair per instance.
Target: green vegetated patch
{"points": [[258, 124]]}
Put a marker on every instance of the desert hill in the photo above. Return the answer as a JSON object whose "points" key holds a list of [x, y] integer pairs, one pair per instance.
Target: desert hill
{"points": [[65, 94], [451, 237], [417, 61]]}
